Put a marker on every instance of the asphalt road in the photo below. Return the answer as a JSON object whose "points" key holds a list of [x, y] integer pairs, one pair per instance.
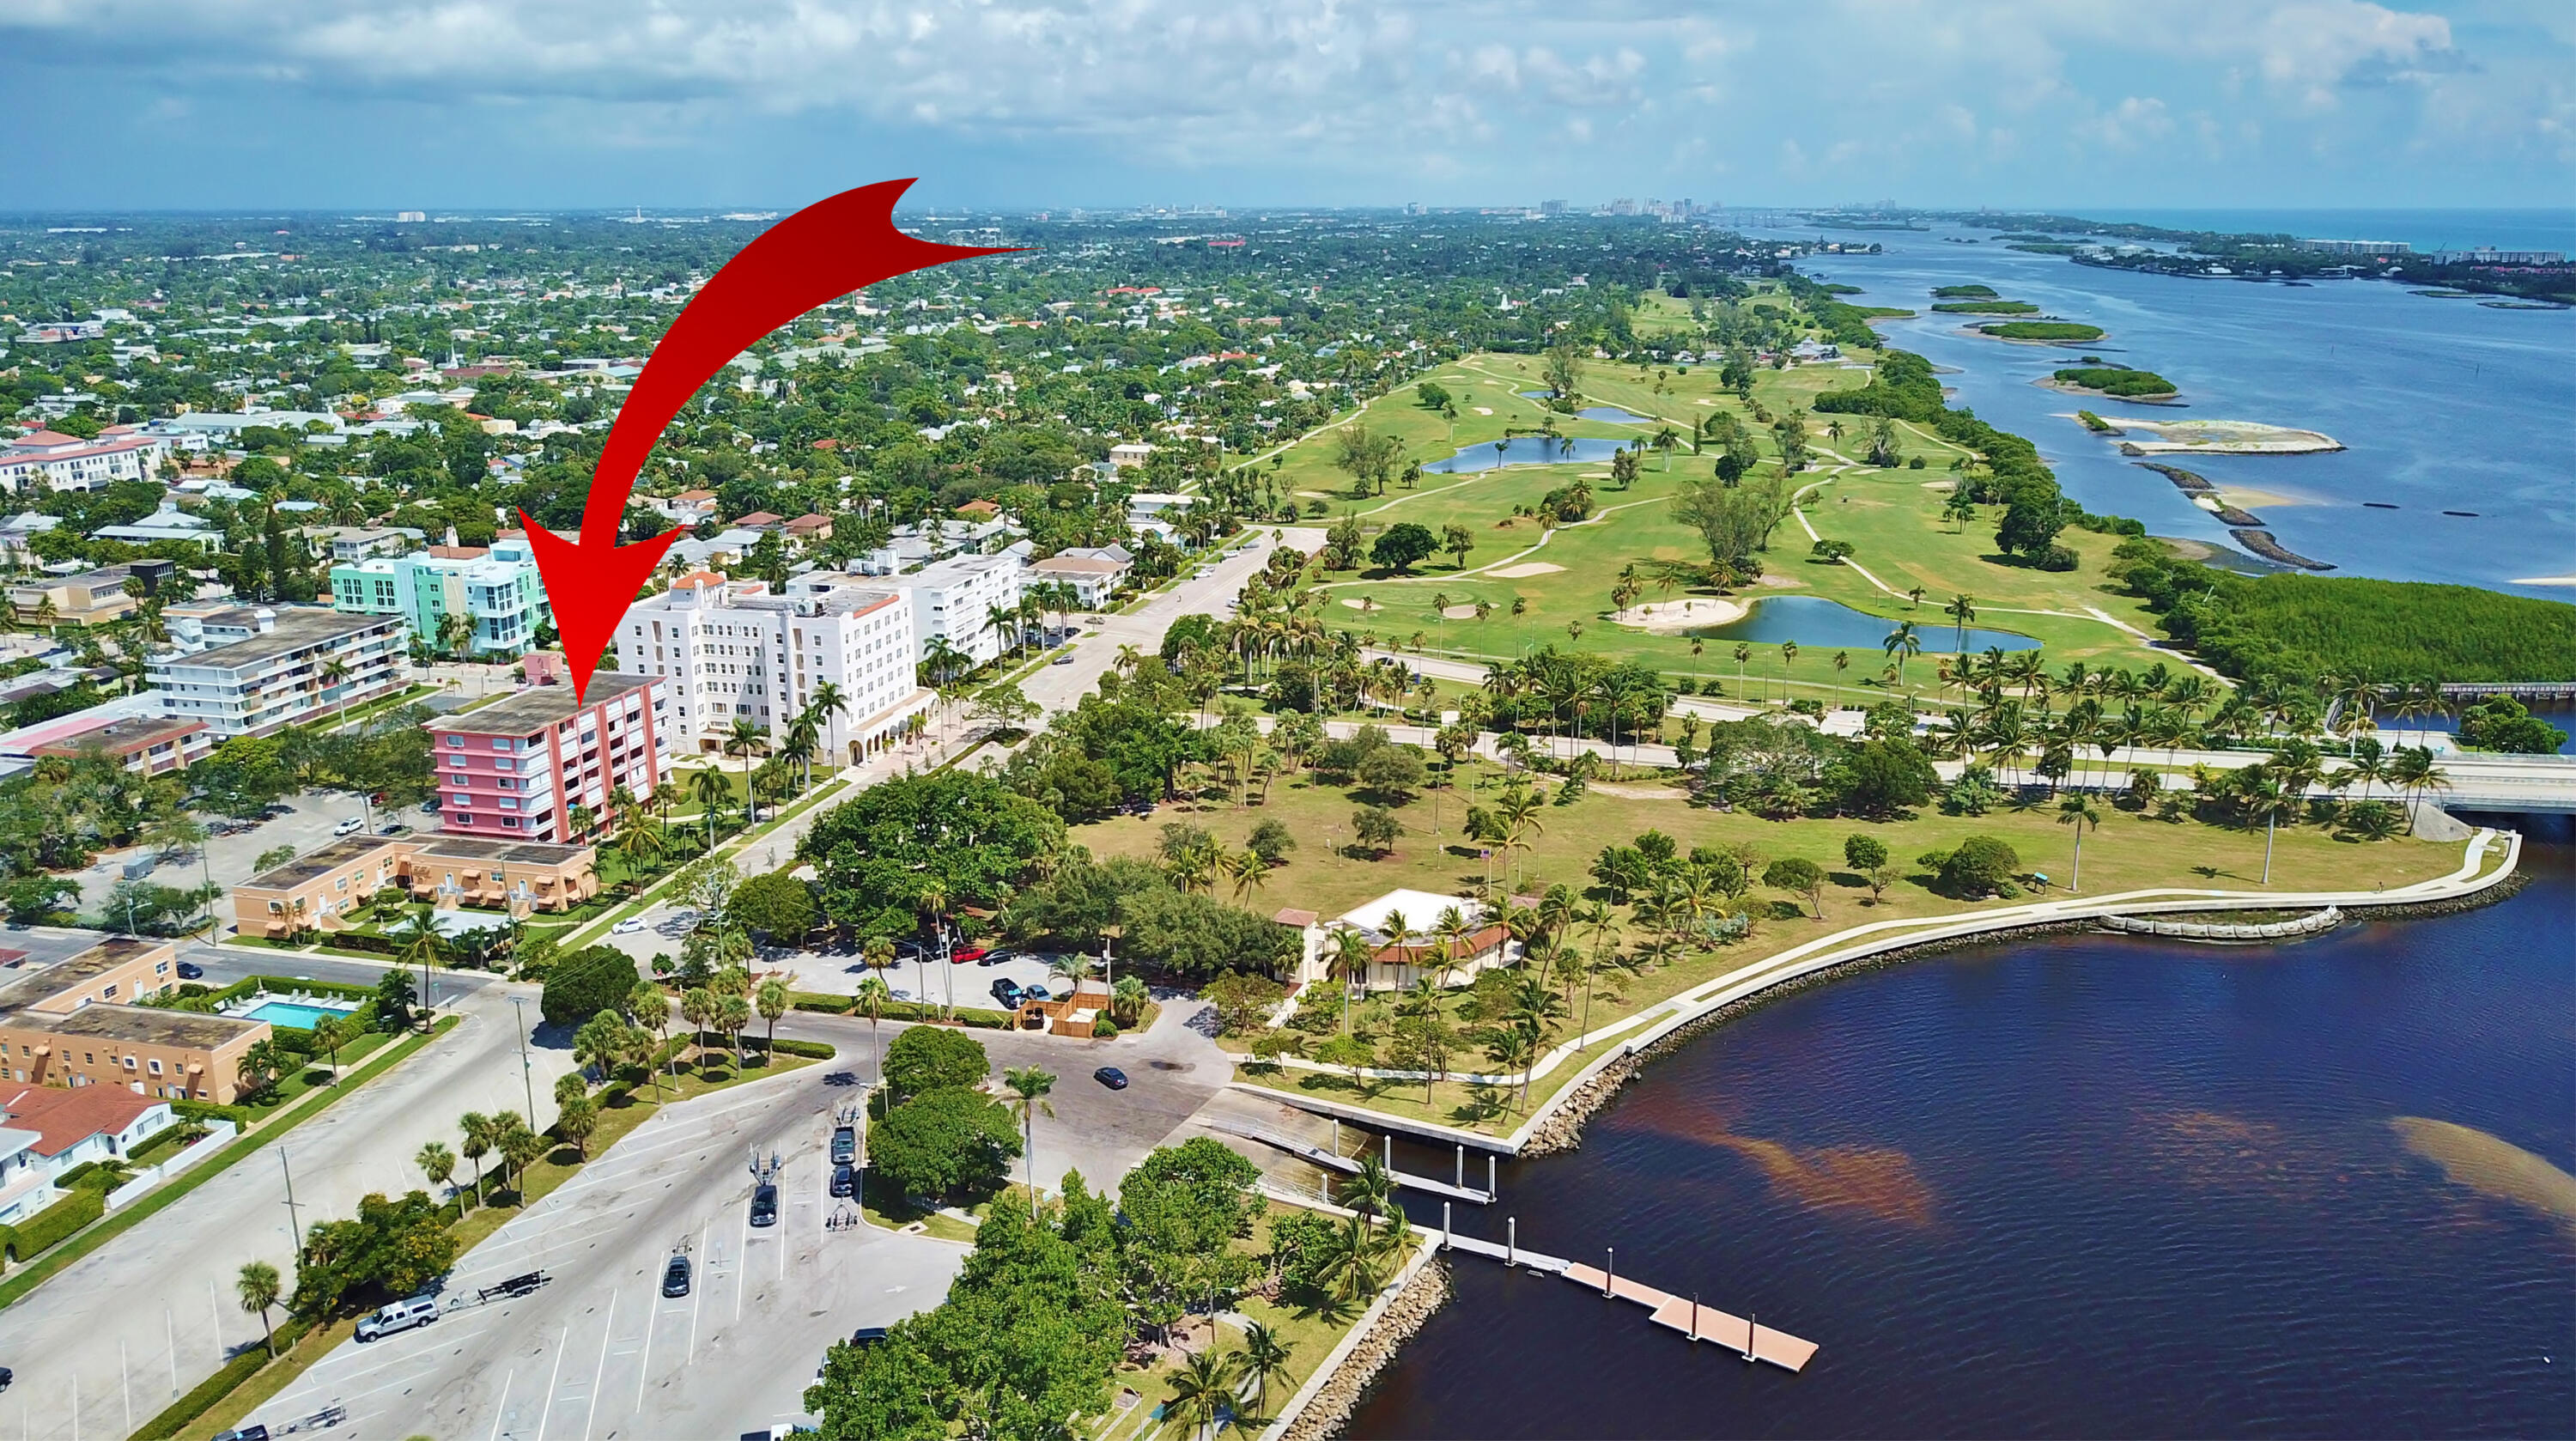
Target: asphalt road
{"points": [[123, 1331], [600, 1353]]}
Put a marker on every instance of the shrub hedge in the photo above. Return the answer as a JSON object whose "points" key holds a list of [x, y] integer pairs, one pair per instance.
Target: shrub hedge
{"points": [[51, 1226]]}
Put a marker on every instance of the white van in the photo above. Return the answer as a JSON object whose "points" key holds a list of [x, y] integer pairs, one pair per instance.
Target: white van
{"points": [[400, 1316]]}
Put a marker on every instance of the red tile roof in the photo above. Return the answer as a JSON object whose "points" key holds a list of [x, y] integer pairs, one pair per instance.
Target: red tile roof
{"points": [[63, 1118]]}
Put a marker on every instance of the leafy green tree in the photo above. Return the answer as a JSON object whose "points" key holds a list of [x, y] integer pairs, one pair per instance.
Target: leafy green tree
{"points": [[1794, 873], [1403, 545], [1376, 828], [1864, 853], [959, 833], [390, 1249], [1978, 866], [925, 1058], [944, 1142], [777, 905], [585, 983]]}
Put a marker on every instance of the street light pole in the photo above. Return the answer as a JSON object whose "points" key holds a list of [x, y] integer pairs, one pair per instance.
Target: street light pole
{"points": [[527, 1078]]}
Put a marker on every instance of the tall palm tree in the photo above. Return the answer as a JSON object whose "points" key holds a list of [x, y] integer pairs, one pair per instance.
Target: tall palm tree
{"points": [[1203, 1385], [436, 1162], [2411, 770], [772, 999], [2078, 811], [871, 1002], [1265, 1355], [479, 1131], [418, 942], [709, 788], [1349, 959], [258, 1288], [1902, 644], [1029, 1086], [747, 738], [1961, 610]]}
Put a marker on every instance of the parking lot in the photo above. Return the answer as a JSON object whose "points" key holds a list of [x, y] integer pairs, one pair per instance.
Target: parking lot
{"points": [[304, 822], [598, 1351], [918, 977]]}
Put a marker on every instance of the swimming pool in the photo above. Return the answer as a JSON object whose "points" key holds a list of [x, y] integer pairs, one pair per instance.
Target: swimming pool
{"points": [[294, 1013]]}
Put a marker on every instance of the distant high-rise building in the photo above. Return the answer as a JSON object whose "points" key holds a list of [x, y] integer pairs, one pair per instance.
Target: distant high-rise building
{"points": [[410, 217], [1551, 207]]}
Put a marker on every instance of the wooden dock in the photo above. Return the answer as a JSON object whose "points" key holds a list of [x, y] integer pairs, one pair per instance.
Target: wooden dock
{"points": [[1742, 1336]]}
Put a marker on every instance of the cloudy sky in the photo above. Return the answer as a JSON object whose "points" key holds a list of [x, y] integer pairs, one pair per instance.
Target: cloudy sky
{"points": [[559, 103]]}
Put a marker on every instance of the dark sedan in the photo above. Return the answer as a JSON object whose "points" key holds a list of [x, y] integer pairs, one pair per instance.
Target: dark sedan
{"points": [[1112, 1077]]}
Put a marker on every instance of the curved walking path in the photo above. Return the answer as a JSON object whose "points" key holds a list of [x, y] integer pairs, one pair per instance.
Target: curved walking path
{"points": [[1858, 943]]}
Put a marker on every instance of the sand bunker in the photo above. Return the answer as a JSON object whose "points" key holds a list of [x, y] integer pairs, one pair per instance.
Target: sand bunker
{"points": [[2491, 1166], [1929, 485], [1357, 604], [1525, 570], [1674, 615], [1484, 410], [1460, 612]]}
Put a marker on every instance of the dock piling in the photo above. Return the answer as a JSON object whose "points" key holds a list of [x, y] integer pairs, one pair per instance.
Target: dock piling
{"points": [[1444, 1225], [1511, 1240], [1459, 1177], [1490, 1190], [1694, 1327], [1610, 1274]]}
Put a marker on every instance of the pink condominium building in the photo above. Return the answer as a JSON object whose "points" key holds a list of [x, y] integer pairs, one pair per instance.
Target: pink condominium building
{"points": [[514, 769]]}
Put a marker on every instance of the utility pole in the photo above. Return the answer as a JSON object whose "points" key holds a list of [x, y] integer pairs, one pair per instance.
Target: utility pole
{"points": [[294, 1224], [527, 1078]]}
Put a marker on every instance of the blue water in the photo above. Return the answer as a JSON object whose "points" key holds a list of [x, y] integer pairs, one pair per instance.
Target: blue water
{"points": [[2442, 404], [1615, 415], [1815, 622], [290, 1013], [1529, 450], [2426, 230], [2082, 1186]]}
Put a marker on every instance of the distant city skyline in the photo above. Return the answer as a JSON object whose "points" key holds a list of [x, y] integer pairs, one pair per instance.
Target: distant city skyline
{"points": [[464, 104]]}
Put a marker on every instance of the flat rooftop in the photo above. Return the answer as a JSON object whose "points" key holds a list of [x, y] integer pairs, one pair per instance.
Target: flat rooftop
{"points": [[470, 848], [124, 736], [538, 707], [313, 865], [146, 1026], [22, 991], [296, 629]]}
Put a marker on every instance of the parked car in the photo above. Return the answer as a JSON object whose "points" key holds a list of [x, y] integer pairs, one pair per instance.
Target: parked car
{"points": [[349, 827], [188, 971], [867, 1335], [845, 1145], [1036, 993], [968, 953], [1064, 659], [6, 1377], [399, 1316], [1112, 1077], [1006, 991], [764, 1205], [627, 927], [845, 1179], [675, 1277], [247, 1433]]}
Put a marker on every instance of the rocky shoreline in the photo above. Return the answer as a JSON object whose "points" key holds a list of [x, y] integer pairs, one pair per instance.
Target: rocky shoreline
{"points": [[1329, 1410], [1562, 1128]]}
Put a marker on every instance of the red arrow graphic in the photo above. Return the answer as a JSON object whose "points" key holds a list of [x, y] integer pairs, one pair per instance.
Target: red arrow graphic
{"points": [[812, 257]]}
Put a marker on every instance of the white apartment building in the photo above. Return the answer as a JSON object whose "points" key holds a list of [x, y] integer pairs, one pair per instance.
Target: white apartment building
{"points": [[956, 598], [267, 669], [731, 651], [50, 460]]}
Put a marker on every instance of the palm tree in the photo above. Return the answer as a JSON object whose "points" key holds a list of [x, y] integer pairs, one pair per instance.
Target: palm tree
{"points": [[436, 1162], [772, 1000], [1204, 1383], [335, 673], [259, 1288], [1369, 1190], [1029, 1086], [1743, 653], [747, 738], [1265, 1356], [733, 1017], [456, 633], [1901, 644], [710, 789], [650, 1005], [1349, 958], [2411, 770], [479, 1131], [1961, 610], [873, 998], [418, 942], [2078, 811], [2264, 796]]}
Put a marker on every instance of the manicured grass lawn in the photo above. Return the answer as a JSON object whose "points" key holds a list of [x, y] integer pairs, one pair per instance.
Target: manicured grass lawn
{"points": [[1891, 516]]}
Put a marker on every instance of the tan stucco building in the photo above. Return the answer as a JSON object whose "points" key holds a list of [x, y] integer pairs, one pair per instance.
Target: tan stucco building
{"points": [[316, 891], [75, 1023]]}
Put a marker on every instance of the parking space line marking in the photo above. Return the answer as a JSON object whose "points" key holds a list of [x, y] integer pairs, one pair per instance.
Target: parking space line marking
{"points": [[546, 1406], [503, 1409], [698, 1301], [607, 1336]]}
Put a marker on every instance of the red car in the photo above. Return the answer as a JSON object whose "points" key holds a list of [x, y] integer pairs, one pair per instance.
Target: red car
{"points": [[969, 953]]}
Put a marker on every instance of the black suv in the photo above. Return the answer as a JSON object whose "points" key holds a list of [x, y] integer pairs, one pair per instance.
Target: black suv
{"points": [[675, 1277], [845, 1179], [764, 1205]]}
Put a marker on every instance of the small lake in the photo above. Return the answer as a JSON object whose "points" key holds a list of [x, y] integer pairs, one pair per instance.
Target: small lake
{"points": [[1528, 450], [1815, 622], [1610, 413]]}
